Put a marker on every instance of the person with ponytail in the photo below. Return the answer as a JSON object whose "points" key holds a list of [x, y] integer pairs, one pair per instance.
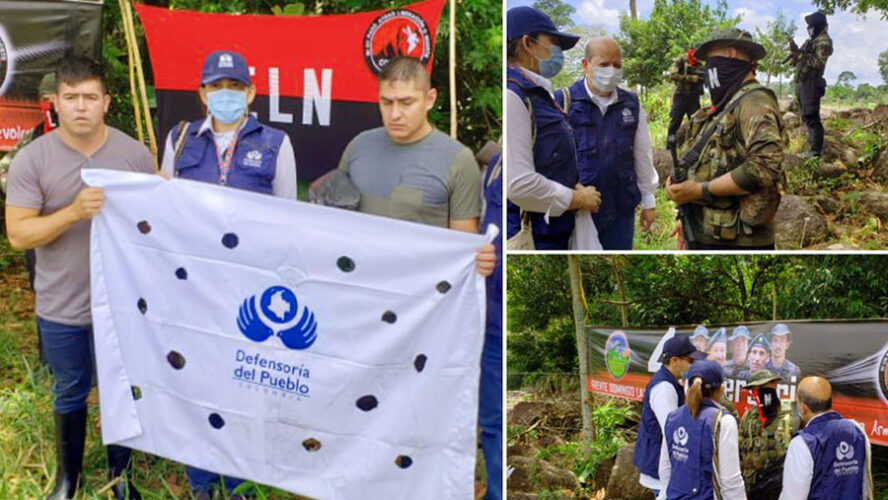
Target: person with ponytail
{"points": [[702, 460], [546, 199]]}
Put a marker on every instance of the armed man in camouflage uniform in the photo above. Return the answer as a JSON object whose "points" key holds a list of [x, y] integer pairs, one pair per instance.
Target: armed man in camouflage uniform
{"points": [[733, 153], [688, 89], [764, 433], [810, 62]]}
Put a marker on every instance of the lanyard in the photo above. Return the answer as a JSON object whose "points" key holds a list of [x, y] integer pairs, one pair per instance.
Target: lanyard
{"points": [[225, 162]]}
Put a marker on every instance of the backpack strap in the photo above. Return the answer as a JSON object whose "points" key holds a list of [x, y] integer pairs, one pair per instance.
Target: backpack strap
{"points": [[565, 101], [180, 139], [716, 430]]}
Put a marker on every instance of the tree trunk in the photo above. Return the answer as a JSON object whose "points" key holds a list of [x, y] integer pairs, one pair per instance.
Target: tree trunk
{"points": [[633, 8], [579, 311], [774, 302]]}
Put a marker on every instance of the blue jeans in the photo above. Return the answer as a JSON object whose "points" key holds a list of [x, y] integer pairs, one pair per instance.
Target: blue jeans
{"points": [[203, 480], [615, 232], [490, 417], [70, 355]]}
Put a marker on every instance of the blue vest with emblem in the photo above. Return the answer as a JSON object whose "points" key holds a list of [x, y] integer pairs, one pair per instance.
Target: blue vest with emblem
{"points": [[554, 153], [253, 163], [689, 445], [650, 437], [605, 149], [493, 215], [838, 448]]}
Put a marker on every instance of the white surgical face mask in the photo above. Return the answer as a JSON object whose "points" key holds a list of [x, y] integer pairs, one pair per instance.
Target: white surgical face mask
{"points": [[606, 78]]}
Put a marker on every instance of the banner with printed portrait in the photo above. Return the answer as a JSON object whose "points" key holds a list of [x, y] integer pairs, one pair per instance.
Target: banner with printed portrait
{"points": [[852, 355], [34, 36], [315, 75]]}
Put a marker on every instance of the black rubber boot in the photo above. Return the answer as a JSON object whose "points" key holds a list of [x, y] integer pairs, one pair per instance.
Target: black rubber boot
{"points": [[70, 436], [119, 464], [816, 138]]}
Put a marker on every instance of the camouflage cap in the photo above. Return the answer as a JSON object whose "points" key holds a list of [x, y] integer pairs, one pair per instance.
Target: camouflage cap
{"points": [[761, 377], [733, 37], [47, 84]]}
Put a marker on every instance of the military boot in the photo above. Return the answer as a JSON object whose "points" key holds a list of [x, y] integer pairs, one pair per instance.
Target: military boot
{"points": [[120, 464], [70, 436]]}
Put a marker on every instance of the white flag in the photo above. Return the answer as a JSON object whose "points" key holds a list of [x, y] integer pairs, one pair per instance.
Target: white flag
{"points": [[325, 352]]}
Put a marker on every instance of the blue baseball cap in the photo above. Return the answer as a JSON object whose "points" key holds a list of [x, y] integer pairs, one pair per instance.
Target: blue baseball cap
{"points": [[225, 64], [678, 346], [710, 371], [522, 21], [700, 331], [740, 331], [719, 336], [780, 329]]}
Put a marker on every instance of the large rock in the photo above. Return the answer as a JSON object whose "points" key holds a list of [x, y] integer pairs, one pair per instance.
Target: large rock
{"points": [[527, 413], [531, 474], [841, 246], [519, 450], [663, 164], [792, 162], [603, 473], [837, 150], [791, 120], [876, 203], [880, 113], [829, 171], [798, 224], [828, 204], [880, 167], [623, 481]]}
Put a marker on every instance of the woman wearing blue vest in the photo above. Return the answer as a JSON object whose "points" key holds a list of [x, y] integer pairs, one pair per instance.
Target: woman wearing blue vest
{"points": [[702, 459], [541, 149], [229, 147]]}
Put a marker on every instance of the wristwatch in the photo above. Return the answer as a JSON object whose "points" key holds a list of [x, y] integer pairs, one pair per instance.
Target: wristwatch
{"points": [[707, 196]]}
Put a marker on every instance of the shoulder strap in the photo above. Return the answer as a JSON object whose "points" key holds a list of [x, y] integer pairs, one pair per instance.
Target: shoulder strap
{"points": [[565, 101], [180, 140], [691, 156], [716, 429]]}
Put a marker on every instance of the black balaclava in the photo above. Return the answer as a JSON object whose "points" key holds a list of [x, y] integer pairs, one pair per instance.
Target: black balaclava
{"points": [[769, 403], [724, 76], [817, 21]]}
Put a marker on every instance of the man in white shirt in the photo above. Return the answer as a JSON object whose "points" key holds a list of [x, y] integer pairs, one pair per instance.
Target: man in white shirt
{"points": [[663, 394], [614, 150], [830, 458]]}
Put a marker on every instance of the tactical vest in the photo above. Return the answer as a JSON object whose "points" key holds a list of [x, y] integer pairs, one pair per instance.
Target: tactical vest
{"points": [[838, 448], [810, 65], [253, 164], [761, 447], [690, 449], [554, 152], [740, 220], [650, 436], [605, 148]]}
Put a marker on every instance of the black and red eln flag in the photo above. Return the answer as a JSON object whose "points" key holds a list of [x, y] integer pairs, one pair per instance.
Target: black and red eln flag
{"points": [[315, 75]]}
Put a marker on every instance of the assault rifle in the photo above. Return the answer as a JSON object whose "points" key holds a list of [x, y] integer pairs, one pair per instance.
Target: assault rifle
{"points": [[680, 174]]}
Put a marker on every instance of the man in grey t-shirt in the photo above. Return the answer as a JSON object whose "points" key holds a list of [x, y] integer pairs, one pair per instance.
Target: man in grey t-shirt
{"points": [[407, 170], [48, 207]]}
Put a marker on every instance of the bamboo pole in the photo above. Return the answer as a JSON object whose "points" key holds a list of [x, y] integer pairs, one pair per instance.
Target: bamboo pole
{"points": [[152, 139], [132, 76], [453, 124], [578, 299]]}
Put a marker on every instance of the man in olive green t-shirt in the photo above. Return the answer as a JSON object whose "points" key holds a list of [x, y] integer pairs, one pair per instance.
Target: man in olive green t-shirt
{"points": [[410, 171]]}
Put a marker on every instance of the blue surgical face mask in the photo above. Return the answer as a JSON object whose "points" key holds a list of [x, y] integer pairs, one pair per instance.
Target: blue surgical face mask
{"points": [[551, 66], [227, 106]]}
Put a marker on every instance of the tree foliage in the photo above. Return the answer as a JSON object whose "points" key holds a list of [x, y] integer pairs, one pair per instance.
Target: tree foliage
{"points": [[479, 56], [883, 66], [663, 290], [856, 6], [775, 38], [650, 45], [846, 78], [559, 11]]}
